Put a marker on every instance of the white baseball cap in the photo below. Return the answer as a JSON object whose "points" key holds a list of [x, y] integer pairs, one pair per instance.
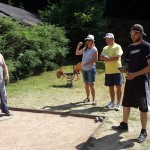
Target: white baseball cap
{"points": [[109, 35], [90, 37]]}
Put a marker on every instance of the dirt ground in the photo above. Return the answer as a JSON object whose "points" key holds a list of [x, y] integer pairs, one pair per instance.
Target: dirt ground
{"points": [[49, 93], [40, 131]]}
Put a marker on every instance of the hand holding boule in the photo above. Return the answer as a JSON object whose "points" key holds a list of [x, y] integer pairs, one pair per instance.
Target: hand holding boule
{"points": [[80, 43], [123, 69], [120, 68]]}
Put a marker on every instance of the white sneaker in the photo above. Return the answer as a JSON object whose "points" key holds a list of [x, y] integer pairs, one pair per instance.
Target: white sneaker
{"points": [[110, 105], [117, 108], [93, 102]]}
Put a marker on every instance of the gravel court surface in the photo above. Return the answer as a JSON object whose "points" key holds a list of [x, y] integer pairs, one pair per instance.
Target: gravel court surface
{"points": [[41, 131]]}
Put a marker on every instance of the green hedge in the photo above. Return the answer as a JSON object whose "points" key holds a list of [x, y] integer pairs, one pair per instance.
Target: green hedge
{"points": [[31, 50]]}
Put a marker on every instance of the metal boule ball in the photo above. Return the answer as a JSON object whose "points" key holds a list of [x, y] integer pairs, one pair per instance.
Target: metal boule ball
{"points": [[101, 119]]}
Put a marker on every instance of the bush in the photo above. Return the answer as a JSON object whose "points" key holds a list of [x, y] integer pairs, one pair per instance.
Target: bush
{"points": [[29, 51]]}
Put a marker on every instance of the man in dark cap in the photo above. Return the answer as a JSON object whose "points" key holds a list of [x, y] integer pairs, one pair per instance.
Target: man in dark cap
{"points": [[136, 93], [138, 28]]}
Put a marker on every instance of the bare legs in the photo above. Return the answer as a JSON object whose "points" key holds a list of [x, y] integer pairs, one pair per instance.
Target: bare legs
{"points": [[87, 89], [90, 87], [112, 93], [126, 113], [118, 93], [143, 116]]}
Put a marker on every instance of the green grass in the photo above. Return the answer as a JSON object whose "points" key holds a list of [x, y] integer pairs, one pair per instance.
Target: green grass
{"points": [[46, 91]]}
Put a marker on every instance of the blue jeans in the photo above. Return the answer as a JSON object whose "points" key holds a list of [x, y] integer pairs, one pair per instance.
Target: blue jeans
{"points": [[89, 76], [3, 97]]}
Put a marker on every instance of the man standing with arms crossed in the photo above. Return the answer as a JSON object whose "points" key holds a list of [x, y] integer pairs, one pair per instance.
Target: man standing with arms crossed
{"points": [[111, 55], [136, 92]]}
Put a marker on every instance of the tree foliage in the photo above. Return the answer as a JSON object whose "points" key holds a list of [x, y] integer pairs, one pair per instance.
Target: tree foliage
{"points": [[29, 51], [79, 18], [128, 9]]}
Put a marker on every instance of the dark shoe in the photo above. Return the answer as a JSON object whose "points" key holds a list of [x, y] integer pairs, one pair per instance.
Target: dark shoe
{"points": [[142, 137], [86, 100], [8, 113], [122, 127]]}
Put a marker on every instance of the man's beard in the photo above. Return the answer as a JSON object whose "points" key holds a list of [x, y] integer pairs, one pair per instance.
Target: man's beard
{"points": [[137, 40]]}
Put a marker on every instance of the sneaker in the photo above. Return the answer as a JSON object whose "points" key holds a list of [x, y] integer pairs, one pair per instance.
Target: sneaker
{"points": [[122, 127], [93, 102], [117, 107], [86, 100], [110, 105], [142, 137], [8, 113]]}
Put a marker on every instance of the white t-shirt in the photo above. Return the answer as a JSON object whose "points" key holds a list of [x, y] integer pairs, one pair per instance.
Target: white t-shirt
{"points": [[88, 56]]}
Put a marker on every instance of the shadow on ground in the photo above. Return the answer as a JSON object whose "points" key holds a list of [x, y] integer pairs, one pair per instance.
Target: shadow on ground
{"points": [[108, 142], [61, 86], [75, 108], [64, 106], [2, 115]]}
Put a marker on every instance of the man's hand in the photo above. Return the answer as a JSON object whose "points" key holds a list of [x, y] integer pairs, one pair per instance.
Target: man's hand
{"points": [[123, 69], [106, 58], [130, 76]]}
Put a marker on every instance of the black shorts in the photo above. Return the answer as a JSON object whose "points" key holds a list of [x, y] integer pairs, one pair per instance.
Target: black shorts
{"points": [[136, 94], [114, 79]]}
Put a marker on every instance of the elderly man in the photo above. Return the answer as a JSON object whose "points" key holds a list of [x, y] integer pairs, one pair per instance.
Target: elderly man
{"points": [[111, 55]]}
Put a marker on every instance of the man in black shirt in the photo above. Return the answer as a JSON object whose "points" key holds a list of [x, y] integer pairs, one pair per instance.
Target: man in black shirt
{"points": [[136, 93]]}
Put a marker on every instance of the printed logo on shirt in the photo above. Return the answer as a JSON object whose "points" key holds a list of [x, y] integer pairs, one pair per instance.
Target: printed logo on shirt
{"points": [[148, 56], [135, 51]]}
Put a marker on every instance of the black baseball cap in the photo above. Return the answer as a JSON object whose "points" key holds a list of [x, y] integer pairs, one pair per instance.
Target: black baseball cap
{"points": [[138, 27]]}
